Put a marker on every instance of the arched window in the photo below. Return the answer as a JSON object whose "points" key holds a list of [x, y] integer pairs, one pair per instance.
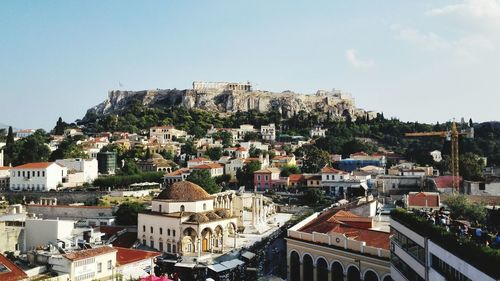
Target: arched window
{"points": [[151, 229], [182, 208], [204, 206]]}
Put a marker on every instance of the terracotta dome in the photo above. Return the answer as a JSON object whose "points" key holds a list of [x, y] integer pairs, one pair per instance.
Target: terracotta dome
{"points": [[184, 191], [198, 218]]}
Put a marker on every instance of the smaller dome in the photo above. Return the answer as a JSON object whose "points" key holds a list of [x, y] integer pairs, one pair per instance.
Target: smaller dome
{"points": [[198, 218], [156, 156], [212, 216], [223, 214]]}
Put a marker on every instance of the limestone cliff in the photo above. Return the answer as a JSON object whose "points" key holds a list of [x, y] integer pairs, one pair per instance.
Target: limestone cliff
{"points": [[336, 103]]}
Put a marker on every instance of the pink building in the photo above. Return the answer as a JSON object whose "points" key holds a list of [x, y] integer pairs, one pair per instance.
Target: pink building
{"points": [[269, 178]]}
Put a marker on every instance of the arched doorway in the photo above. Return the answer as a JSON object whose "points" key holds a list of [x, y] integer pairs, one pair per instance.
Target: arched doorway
{"points": [[294, 266], [218, 238], [206, 240], [370, 276], [189, 237], [321, 269], [337, 272], [307, 264], [353, 274], [387, 278]]}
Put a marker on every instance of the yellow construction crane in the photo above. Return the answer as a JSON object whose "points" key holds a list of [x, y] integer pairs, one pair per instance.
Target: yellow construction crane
{"points": [[452, 135]]}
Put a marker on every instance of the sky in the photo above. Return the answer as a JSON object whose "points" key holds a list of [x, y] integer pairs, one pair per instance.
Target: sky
{"points": [[427, 61]]}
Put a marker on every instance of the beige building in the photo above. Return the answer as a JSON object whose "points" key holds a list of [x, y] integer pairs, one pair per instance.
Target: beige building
{"points": [[337, 245], [165, 134], [185, 219]]}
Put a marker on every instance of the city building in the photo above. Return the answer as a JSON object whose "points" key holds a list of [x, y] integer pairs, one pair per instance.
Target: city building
{"points": [[134, 263], [417, 255], [25, 133], [91, 215], [361, 159], [90, 264], [337, 245], [176, 176], [198, 161], [80, 170], [107, 162], [2, 144], [265, 179], [156, 164], [317, 132], [9, 271], [214, 169], [165, 134], [4, 177], [185, 219], [337, 183], [39, 176], [280, 161], [422, 200], [268, 132]]}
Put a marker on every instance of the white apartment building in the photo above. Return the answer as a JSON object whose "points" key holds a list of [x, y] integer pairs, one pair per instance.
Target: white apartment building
{"points": [[4, 177], [317, 132], [25, 133], [2, 144], [39, 176], [165, 134], [268, 132], [80, 170], [215, 169], [415, 256], [41, 232], [91, 264]]}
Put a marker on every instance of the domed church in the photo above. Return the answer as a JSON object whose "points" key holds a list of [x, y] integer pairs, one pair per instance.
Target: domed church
{"points": [[186, 220]]}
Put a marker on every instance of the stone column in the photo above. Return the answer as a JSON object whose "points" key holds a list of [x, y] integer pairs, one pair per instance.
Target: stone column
{"points": [[329, 274], [234, 246], [315, 274], [288, 271], [301, 271], [198, 244]]}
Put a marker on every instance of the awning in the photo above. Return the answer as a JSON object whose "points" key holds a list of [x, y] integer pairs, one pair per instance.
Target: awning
{"points": [[232, 263], [217, 267], [248, 255], [188, 265]]}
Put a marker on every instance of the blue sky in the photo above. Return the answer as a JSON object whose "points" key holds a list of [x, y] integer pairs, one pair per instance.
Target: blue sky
{"points": [[417, 60]]}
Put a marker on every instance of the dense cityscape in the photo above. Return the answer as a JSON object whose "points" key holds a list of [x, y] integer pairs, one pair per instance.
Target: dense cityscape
{"points": [[249, 140]]}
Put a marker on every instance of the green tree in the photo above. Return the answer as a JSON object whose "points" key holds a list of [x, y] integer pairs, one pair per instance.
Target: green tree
{"points": [[461, 207], [471, 167], [130, 167], [10, 136], [189, 148], [251, 136], [60, 127], [127, 213], [315, 159], [226, 137], [287, 170], [314, 196], [68, 148], [245, 175], [214, 153], [203, 179]]}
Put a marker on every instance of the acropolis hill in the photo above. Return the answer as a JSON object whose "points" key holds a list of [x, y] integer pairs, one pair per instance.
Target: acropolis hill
{"points": [[226, 97]]}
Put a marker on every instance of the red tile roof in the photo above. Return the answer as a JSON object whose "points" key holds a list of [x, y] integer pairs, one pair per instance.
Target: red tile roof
{"points": [[126, 240], [445, 181], [13, 273], [360, 153], [423, 199], [199, 159], [126, 256], [241, 148], [178, 172], [208, 166], [351, 225], [5, 168], [80, 255], [330, 170], [296, 177], [35, 165]]}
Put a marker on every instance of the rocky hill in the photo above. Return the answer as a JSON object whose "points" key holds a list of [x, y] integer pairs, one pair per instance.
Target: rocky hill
{"points": [[233, 97]]}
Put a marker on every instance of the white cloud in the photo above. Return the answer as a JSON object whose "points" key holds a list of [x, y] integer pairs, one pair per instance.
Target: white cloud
{"points": [[481, 12], [466, 47], [352, 58]]}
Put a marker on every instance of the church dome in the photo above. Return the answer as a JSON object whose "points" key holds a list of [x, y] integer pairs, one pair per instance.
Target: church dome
{"points": [[184, 191]]}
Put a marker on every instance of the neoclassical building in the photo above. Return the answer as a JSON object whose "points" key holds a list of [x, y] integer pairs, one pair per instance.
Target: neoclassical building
{"points": [[186, 220], [337, 245]]}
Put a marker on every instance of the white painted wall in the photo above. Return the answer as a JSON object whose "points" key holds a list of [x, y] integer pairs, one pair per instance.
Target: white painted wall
{"points": [[40, 232]]}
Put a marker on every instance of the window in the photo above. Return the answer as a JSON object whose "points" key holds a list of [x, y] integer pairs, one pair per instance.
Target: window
{"points": [[258, 178], [405, 269], [144, 228], [43, 173], [161, 246], [152, 244], [110, 264], [38, 174], [327, 177], [144, 242], [169, 247], [174, 249], [409, 246], [151, 229], [182, 208], [173, 233], [204, 206], [99, 267], [446, 270], [168, 232], [161, 230], [159, 208]]}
